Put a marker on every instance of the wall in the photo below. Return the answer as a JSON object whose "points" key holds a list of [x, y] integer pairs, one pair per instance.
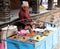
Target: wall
{"points": [[15, 4]]}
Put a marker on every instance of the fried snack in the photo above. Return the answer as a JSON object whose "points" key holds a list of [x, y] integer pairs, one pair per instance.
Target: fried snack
{"points": [[46, 32]]}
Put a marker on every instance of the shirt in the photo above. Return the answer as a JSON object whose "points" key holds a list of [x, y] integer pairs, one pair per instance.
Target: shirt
{"points": [[24, 16]]}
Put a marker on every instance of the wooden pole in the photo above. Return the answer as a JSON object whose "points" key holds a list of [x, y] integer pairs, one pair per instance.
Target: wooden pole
{"points": [[50, 4], [35, 6], [58, 2]]}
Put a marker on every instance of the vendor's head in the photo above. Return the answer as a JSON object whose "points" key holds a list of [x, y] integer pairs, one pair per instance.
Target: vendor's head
{"points": [[25, 5]]}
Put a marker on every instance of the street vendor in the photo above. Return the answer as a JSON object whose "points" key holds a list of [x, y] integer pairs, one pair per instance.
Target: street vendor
{"points": [[24, 17], [24, 13]]}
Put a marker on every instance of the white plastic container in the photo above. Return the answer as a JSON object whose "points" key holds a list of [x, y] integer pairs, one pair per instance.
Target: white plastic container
{"points": [[8, 31]]}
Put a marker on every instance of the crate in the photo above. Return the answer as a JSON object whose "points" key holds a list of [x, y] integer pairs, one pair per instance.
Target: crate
{"points": [[18, 45], [25, 45], [55, 37], [42, 45], [59, 31], [36, 44], [49, 41]]}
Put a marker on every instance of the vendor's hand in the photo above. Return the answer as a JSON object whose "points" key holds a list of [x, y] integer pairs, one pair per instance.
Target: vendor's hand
{"points": [[31, 23]]}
